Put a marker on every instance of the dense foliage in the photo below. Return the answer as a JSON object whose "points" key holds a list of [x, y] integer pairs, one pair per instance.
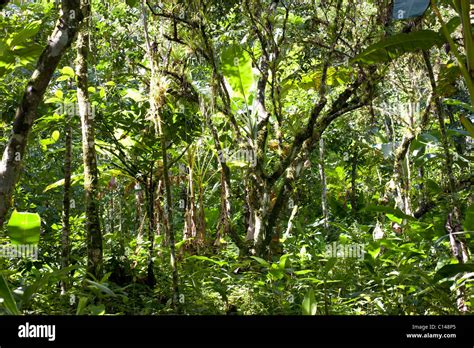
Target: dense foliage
{"points": [[248, 157]]}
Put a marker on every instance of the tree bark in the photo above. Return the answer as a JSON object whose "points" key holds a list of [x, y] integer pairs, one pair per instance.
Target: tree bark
{"points": [[61, 38], [91, 179], [150, 199], [66, 230], [324, 189], [353, 196]]}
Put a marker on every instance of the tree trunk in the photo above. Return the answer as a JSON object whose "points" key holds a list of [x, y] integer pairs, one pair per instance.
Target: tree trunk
{"points": [[353, 196], [322, 174], [201, 217], [66, 230], [150, 200], [190, 229], [91, 180], [61, 38]]}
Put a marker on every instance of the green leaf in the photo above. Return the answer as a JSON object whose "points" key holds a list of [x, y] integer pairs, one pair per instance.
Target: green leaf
{"points": [[97, 310], [329, 265], [55, 135], [67, 71], [261, 261], [134, 94], [81, 306], [100, 287], [459, 103], [453, 269], [204, 258], [30, 30], [24, 228], [7, 296], [237, 69], [467, 124], [309, 306], [59, 94], [453, 24], [304, 271], [131, 3], [76, 178], [62, 78], [393, 218], [34, 288], [283, 260], [397, 45]]}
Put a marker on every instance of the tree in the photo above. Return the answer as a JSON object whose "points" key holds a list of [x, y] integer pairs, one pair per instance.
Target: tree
{"points": [[61, 38], [91, 175]]}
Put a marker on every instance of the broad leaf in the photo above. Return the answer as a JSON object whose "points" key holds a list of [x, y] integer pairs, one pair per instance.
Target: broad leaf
{"points": [[309, 306], [397, 45], [24, 228], [467, 124], [453, 269], [7, 297], [30, 30], [237, 69]]}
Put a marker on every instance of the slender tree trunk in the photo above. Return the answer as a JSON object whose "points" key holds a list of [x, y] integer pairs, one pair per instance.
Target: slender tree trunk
{"points": [[190, 212], [150, 199], [354, 183], [322, 174], [91, 179], [159, 212], [61, 38], [169, 214], [201, 216], [66, 230], [139, 216]]}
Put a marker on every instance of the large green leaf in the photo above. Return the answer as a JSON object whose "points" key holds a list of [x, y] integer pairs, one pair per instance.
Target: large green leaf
{"points": [[7, 297], [453, 269], [310, 305], [33, 289], [397, 45], [467, 124], [30, 30], [237, 69], [24, 228]]}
